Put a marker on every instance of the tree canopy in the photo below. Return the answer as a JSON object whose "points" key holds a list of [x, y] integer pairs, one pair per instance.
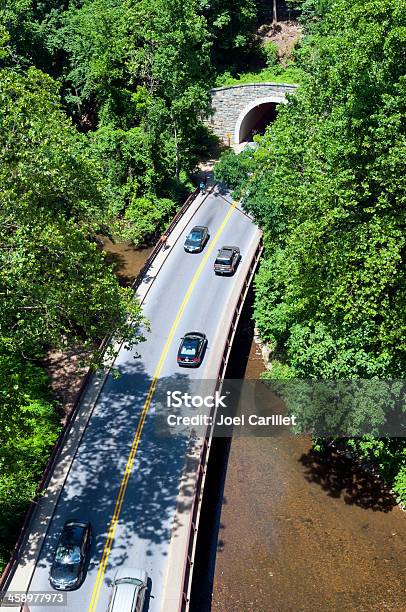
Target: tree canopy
{"points": [[327, 185], [135, 76], [55, 286]]}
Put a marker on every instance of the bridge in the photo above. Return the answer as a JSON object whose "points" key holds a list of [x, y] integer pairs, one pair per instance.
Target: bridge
{"points": [[140, 489], [238, 110]]}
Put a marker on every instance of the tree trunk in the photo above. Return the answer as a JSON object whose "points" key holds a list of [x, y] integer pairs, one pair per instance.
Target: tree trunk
{"points": [[177, 155], [274, 12]]}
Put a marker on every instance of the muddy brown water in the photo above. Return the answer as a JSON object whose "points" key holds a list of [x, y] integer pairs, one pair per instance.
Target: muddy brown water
{"points": [[286, 530], [126, 260]]}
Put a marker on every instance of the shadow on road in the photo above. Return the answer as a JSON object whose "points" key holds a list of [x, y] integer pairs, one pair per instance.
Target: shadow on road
{"points": [[93, 482]]}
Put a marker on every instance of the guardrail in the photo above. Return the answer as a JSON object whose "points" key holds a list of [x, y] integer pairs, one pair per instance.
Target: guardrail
{"points": [[204, 455], [160, 244], [13, 562]]}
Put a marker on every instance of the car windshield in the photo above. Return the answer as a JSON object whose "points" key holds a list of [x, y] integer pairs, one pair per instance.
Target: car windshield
{"points": [[189, 347], [195, 236], [129, 580], [224, 259], [68, 554]]}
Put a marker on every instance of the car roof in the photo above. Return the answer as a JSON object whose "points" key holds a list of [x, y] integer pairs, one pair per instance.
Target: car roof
{"points": [[125, 594], [194, 335], [189, 341], [73, 531], [124, 597], [131, 572], [73, 523]]}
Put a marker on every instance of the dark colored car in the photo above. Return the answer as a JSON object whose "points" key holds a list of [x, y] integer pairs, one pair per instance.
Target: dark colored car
{"points": [[71, 555], [227, 260], [192, 349], [196, 240]]}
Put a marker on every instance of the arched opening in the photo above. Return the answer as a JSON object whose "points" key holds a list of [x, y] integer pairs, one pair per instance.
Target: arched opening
{"points": [[255, 117], [256, 120]]}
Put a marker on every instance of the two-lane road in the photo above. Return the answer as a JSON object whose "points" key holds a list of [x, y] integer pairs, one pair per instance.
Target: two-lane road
{"points": [[185, 296]]}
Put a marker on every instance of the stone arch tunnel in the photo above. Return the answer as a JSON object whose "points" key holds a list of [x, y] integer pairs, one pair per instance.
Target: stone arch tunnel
{"points": [[241, 111]]}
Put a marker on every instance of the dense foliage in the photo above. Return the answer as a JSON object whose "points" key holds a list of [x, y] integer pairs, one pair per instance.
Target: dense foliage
{"points": [[136, 76], [231, 24], [329, 189], [28, 429], [101, 108], [55, 288]]}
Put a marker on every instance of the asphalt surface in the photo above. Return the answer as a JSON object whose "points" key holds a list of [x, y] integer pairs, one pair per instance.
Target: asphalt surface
{"points": [[146, 522]]}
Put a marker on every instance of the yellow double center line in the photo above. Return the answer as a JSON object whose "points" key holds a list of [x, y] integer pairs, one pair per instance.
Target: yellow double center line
{"points": [[134, 446]]}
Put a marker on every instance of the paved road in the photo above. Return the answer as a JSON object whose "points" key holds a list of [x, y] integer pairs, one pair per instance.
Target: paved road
{"points": [[146, 523]]}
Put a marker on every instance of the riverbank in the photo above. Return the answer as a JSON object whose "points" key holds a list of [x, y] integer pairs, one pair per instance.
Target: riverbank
{"points": [[300, 531]]}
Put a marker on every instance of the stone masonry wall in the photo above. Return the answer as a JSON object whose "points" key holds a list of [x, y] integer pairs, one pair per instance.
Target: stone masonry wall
{"points": [[229, 102]]}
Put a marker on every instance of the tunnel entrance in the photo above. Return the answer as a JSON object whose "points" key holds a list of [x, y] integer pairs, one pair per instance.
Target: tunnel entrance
{"points": [[256, 116], [256, 120]]}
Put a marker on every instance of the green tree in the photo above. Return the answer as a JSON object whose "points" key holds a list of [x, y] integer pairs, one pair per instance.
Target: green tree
{"points": [[170, 58], [146, 217], [54, 284], [231, 25], [311, 11], [137, 71], [31, 25], [328, 187], [28, 429], [93, 38]]}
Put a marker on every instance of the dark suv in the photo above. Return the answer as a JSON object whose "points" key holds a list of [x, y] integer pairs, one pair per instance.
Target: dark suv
{"points": [[227, 260]]}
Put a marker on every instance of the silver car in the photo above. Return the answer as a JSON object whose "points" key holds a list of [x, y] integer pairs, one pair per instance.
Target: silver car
{"points": [[129, 588]]}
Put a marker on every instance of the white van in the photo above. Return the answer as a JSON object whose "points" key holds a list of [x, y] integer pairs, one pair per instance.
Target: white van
{"points": [[129, 587]]}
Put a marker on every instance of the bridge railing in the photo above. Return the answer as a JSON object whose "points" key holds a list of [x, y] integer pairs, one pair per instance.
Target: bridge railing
{"points": [[160, 244], [50, 465], [205, 451]]}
